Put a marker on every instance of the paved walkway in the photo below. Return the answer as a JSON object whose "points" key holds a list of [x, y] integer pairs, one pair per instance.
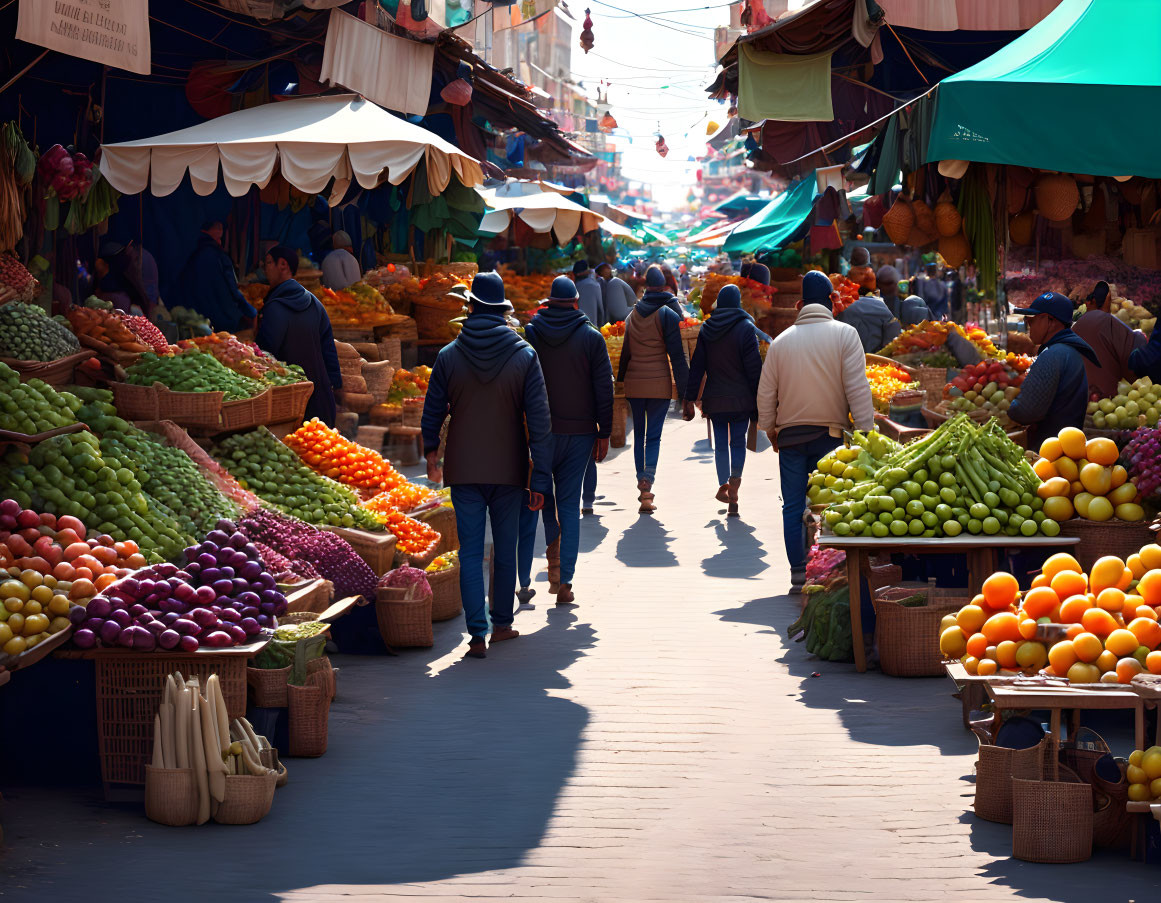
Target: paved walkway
{"points": [[660, 742]]}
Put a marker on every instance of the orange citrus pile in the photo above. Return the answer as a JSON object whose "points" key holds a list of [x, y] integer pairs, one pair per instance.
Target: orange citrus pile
{"points": [[411, 536], [328, 452], [1081, 476]]}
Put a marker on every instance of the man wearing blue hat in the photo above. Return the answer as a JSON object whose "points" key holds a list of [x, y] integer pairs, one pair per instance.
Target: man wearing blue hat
{"points": [[657, 293], [489, 380], [1055, 391], [579, 378], [592, 295]]}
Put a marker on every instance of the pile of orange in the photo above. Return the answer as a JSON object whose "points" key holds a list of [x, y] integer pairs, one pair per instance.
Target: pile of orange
{"points": [[1110, 615], [412, 536], [406, 497], [1081, 477], [328, 452]]}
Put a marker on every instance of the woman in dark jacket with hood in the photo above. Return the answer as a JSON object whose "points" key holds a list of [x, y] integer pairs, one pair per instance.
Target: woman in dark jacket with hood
{"points": [[727, 357], [652, 334]]}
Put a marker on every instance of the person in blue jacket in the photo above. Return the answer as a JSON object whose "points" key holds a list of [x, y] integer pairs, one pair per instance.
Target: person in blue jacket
{"points": [[209, 286], [726, 357], [294, 327], [579, 379], [490, 383], [1055, 391], [657, 293]]}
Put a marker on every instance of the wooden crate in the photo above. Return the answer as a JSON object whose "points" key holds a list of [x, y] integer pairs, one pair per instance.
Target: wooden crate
{"points": [[377, 549]]}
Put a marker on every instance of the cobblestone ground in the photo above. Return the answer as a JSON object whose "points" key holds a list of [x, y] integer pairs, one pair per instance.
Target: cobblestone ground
{"points": [[659, 742]]}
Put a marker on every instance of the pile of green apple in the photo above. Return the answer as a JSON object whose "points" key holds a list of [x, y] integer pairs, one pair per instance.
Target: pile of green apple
{"points": [[35, 406], [1135, 405]]}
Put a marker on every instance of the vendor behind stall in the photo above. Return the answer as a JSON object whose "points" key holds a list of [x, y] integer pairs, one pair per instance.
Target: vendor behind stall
{"points": [[294, 327], [908, 311], [1111, 341], [209, 285], [1055, 391]]}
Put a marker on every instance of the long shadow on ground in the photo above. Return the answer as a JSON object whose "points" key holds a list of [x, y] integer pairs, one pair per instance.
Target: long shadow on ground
{"points": [[426, 777], [741, 553]]}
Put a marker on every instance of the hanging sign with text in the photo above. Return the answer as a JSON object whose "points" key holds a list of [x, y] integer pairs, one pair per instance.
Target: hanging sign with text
{"points": [[113, 32]]}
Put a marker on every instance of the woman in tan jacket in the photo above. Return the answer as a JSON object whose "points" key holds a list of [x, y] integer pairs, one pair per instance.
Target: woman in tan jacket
{"points": [[652, 361]]}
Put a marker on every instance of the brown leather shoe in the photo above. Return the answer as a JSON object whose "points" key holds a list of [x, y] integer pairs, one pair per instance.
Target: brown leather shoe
{"points": [[552, 553], [565, 596], [499, 634], [477, 648], [723, 493], [732, 495]]}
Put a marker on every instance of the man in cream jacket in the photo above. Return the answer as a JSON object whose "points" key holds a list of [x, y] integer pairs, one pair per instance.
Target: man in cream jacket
{"points": [[814, 383]]}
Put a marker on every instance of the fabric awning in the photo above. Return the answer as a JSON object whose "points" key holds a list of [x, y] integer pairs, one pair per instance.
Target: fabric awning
{"points": [[1077, 93], [775, 223], [543, 211], [310, 140]]}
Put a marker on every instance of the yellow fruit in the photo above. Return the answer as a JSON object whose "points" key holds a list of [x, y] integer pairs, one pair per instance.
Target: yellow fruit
{"points": [[56, 625], [1155, 788], [1087, 647], [1097, 479], [1133, 563], [986, 667], [1062, 561], [970, 663], [1080, 673], [953, 643], [31, 607], [1151, 556], [1135, 774], [1128, 512], [1126, 492], [59, 605], [1151, 762], [1081, 501], [1110, 677], [1120, 476], [16, 622], [1032, 655], [1050, 448], [15, 589], [1066, 467], [1058, 508], [35, 624], [1073, 442], [948, 621], [1139, 793], [13, 604], [1107, 661], [1120, 642], [41, 594], [1135, 758], [31, 578], [1100, 509], [15, 646], [1053, 487], [1106, 572], [1102, 451], [970, 619], [5, 633]]}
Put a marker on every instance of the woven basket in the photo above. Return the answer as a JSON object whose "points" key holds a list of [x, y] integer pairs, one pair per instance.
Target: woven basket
{"points": [[932, 380], [620, 422], [443, 520], [403, 621], [924, 218], [326, 674], [1021, 228], [994, 784], [191, 408], [268, 686], [955, 250], [171, 796], [55, 373], [288, 403], [898, 221], [247, 800], [445, 593], [1112, 537], [1052, 817], [908, 638], [135, 402], [1056, 197], [948, 221], [433, 318], [248, 412], [309, 716]]}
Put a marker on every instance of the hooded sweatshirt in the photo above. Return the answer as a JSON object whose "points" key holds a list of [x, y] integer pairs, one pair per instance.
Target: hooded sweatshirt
{"points": [[660, 296], [209, 286], [574, 359], [294, 327], [653, 332], [1113, 343], [490, 382], [727, 357], [592, 299], [1055, 391]]}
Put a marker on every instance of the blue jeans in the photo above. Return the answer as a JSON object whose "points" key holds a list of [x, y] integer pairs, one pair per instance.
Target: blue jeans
{"points": [[795, 465], [648, 420], [473, 503], [730, 444], [589, 486], [571, 455]]}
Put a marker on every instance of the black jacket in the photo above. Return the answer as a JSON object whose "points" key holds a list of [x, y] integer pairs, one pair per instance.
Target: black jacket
{"points": [[660, 296], [489, 381], [727, 356], [1054, 393], [574, 358], [295, 328]]}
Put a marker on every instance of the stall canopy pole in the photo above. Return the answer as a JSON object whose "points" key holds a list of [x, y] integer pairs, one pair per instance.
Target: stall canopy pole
{"points": [[8, 84]]}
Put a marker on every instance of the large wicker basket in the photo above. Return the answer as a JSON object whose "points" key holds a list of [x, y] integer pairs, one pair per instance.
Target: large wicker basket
{"points": [[445, 593], [908, 637], [171, 796], [268, 686], [55, 373], [403, 619], [443, 520], [288, 403], [1052, 817], [248, 799], [1112, 537], [309, 709], [994, 784]]}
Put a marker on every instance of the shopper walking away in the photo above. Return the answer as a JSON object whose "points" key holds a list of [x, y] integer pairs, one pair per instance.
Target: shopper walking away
{"points": [[592, 298], [652, 334], [932, 291], [1054, 393], [294, 327], [871, 320], [909, 310], [1112, 342], [340, 268], [619, 295], [489, 381], [726, 357], [814, 382], [209, 286], [657, 293], [579, 378]]}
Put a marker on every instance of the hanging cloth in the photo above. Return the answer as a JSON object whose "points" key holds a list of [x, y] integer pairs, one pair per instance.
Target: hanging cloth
{"points": [[784, 87]]}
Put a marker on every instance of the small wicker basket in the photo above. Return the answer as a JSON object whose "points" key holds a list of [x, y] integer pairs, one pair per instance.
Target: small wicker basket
{"points": [[248, 799], [403, 619], [908, 637], [171, 796], [268, 686], [309, 718], [445, 593], [1052, 816]]}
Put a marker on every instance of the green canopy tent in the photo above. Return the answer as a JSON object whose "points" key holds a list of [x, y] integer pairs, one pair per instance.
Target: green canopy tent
{"points": [[1077, 93], [777, 222]]}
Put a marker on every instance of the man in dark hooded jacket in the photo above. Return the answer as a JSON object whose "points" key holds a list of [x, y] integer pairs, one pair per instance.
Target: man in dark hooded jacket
{"points": [[579, 379], [209, 286], [1055, 391], [656, 292], [489, 380], [294, 327]]}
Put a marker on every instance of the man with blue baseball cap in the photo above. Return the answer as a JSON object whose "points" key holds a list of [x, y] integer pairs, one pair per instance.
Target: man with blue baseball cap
{"points": [[1055, 391]]}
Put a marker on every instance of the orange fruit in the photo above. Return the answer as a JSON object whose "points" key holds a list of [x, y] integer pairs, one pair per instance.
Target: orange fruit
{"points": [[1120, 476], [1062, 656], [1039, 580], [1149, 587], [1051, 449], [1073, 609], [1134, 564], [986, 667], [1039, 602], [977, 645], [1108, 571], [1043, 468], [1151, 556], [1069, 583], [1099, 621], [1126, 580], [970, 664], [1147, 631], [1000, 590], [1153, 662], [1127, 669], [970, 619], [1002, 626], [1067, 468], [1142, 611], [1088, 647], [1006, 654], [1102, 451], [1121, 642], [978, 600], [1111, 599], [1073, 631], [1053, 487], [1073, 442], [1028, 629], [1082, 673], [1106, 661], [1061, 561]]}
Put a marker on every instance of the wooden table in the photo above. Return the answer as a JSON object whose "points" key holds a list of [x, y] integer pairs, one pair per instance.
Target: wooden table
{"points": [[981, 553], [1074, 698], [973, 689]]}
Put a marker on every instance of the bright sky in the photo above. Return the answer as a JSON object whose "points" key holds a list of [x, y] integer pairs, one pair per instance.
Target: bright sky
{"points": [[659, 67]]}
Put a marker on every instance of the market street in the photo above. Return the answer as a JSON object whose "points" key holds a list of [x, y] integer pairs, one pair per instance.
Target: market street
{"points": [[658, 742]]}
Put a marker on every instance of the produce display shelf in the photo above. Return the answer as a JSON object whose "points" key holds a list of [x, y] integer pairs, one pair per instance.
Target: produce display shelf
{"points": [[1075, 699], [377, 549], [9, 436], [36, 653], [313, 595], [55, 373], [981, 553]]}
